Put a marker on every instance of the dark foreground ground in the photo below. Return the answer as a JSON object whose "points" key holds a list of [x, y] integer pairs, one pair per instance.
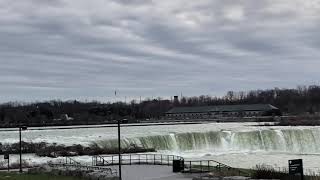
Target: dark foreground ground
{"points": [[17, 176]]}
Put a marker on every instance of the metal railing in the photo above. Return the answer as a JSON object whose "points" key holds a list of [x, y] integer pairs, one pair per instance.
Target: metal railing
{"points": [[203, 166], [200, 166], [70, 163], [130, 159]]}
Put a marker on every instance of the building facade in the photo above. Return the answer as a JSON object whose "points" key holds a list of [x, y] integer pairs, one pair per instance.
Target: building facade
{"points": [[212, 112]]}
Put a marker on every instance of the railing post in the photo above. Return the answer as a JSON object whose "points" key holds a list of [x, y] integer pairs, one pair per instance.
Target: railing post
{"points": [[161, 160], [190, 167], [209, 166], [146, 158], [154, 159], [201, 166], [168, 160], [139, 158], [112, 159], [130, 159]]}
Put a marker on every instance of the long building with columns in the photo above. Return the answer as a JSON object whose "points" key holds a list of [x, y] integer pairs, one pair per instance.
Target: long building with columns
{"points": [[208, 112]]}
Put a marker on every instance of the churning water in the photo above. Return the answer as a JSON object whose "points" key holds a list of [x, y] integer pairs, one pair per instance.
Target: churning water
{"points": [[270, 140], [237, 144]]}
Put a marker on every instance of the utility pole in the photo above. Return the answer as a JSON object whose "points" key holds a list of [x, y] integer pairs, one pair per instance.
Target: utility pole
{"points": [[20, 145], [119, 149], [21, 128]]}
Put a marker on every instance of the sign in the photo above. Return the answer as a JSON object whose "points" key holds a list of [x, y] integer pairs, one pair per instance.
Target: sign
{"points": [[296, 167], [6, 156]]}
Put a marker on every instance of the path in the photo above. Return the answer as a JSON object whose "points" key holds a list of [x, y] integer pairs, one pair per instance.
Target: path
{"points": [[151, 172]]}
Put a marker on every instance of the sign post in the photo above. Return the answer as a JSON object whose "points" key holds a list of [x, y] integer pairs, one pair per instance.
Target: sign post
{"points": [[7, 157], [296, 167]]}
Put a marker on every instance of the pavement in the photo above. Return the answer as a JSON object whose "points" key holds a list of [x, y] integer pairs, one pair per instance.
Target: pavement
{"points": [[151, 172]]}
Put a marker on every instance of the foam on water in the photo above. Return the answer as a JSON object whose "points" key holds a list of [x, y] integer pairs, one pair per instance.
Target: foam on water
{"points": [[302, 141], [215, 140]]}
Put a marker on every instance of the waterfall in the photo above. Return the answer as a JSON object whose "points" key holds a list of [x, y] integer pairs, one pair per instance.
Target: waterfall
{"points": [[280, 140]]}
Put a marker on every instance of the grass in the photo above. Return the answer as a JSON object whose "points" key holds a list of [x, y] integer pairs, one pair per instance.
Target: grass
{"points": [[270, 173], [260, 172], [27, 176], [222, 171]]}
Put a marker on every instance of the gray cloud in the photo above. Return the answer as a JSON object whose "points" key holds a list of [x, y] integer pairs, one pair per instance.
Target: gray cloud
{"points": [[86, 49]]}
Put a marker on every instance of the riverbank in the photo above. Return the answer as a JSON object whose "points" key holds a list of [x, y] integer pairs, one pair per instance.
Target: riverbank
{"points": [[66, 127], [302, 120]]}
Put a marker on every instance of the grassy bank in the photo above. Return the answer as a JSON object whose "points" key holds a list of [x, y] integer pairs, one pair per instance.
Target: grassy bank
{"points": [[263, 172], [301, 120], [27, 176], [259, 172]]}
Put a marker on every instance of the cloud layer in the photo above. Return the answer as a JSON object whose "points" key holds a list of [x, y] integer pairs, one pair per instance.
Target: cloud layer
{"points": [[65, 49]]}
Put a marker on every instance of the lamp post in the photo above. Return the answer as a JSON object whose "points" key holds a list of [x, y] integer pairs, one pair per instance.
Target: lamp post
{"points": [[119, 148], [21, 128]]}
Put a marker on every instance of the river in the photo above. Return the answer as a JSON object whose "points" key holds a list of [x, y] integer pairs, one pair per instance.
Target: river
{"points": [[241, 145]]}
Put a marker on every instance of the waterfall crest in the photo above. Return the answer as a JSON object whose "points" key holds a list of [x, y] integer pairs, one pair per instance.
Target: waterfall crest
{"points": [[269, 140]]}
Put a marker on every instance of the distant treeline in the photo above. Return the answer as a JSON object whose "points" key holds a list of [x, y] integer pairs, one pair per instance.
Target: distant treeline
{"points": [[301, 100]]}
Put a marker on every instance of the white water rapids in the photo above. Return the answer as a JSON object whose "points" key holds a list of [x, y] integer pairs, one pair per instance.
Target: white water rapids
{"points": [[236, 144]]}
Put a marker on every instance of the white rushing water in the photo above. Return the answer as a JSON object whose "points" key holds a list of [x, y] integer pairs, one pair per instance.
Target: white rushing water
{"points": [[237, 144]]}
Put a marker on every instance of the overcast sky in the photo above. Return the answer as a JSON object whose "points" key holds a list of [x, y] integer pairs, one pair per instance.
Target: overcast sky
{"points": [[85, 49]]}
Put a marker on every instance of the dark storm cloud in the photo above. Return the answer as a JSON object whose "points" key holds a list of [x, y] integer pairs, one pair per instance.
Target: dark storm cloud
{"points": [[87, 49]]}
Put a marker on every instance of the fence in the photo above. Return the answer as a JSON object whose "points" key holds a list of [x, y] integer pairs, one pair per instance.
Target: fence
{"points": [[130, 159], [70, 163], [159, 159], [209, 166]]}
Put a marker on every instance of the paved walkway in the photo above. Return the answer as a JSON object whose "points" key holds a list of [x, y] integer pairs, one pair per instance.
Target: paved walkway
{"points": [[151, 172]]}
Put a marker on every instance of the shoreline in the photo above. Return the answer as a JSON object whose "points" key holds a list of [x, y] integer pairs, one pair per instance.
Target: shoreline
{"points": [[162, 122], [104, 126]]}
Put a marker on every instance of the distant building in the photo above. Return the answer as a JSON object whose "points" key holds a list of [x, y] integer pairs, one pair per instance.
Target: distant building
{"points": [[207, 112], [175, 100]]}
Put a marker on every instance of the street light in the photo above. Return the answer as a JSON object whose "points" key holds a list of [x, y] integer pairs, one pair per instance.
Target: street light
{"points": [[21, 128], [119, 148]]}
